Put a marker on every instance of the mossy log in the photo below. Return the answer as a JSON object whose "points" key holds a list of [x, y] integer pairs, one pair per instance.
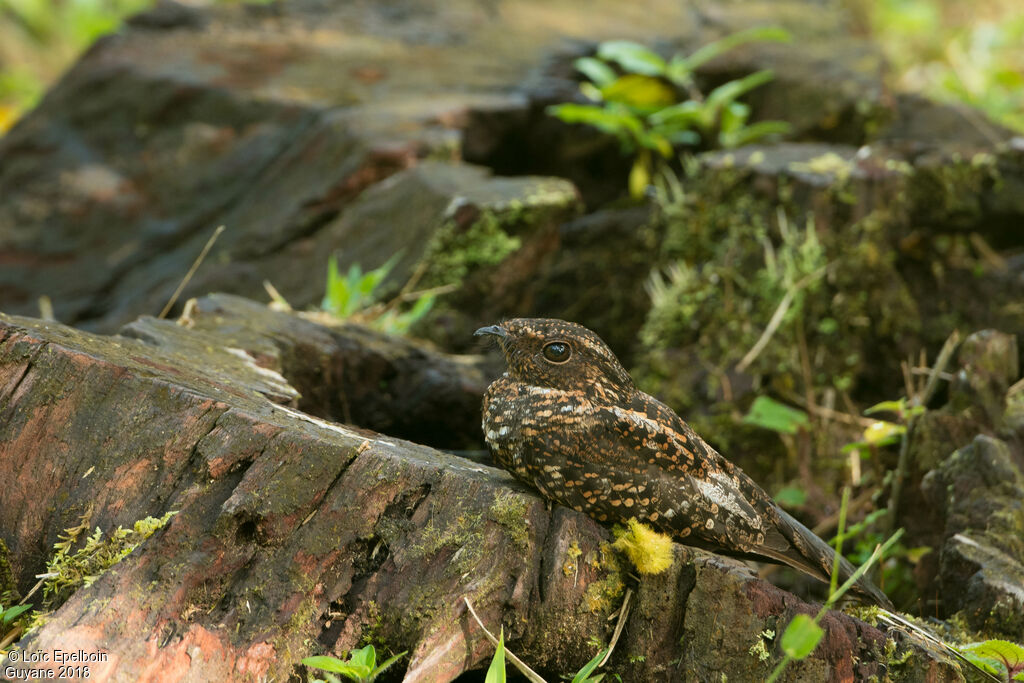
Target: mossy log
{"points": [[297, 536]]}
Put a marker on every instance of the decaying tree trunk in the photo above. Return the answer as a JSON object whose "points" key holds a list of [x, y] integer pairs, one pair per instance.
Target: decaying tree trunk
{"points": [[298, 536]]}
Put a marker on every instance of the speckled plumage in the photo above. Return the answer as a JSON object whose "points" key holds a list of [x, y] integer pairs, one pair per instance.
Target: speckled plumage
{"points": [[579, 431]]}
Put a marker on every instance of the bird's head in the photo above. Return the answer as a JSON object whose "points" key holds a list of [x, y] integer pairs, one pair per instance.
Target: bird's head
{"points": [[556, 354]]}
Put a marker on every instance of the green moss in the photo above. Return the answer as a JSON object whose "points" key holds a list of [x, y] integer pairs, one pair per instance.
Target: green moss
{"points": [[457, 250], [481, 236], [79, 568], [760, 647], [461, 531], [827, 283], [372, 629], [571, 566], [509, 511], [601, 595]]}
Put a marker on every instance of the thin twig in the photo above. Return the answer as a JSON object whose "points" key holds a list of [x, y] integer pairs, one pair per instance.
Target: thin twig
{"points": [[191, 272], [776, 319], [401, 297], [518, 663], [619, 625], [275, 296], [940, 366], [849, 418], [920, 399], [14, 634]]}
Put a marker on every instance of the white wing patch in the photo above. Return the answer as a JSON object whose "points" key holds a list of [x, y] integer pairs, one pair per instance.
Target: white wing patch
{"points": [[716, 493]]}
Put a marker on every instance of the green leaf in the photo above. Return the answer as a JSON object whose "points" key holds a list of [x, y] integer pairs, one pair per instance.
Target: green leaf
{"points": [[686, 114], [632, 57], [496, 671], [754, 132], [791, 496], [1010, 654], [366, 656], [11, 613], [733, 117], [679, 72], [705, 54], [583, 675], [602, 118], [883, 433], [684, 137], [639, 92], [986, 664], [886, 406], [590, 91], [335, 665], [597, 71], [726, 93], [640, 174], [801, 636], [387, 663], [778, 417]]}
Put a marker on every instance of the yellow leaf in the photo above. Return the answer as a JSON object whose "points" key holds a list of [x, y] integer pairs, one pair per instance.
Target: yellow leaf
{"points": [[639, 91]]}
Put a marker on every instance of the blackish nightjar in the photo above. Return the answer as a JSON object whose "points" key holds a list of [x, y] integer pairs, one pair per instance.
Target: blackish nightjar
{"points": [[567, 420]]}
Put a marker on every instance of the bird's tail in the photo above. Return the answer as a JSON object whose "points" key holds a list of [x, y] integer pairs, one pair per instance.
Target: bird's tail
{"points": [[812, 555]]}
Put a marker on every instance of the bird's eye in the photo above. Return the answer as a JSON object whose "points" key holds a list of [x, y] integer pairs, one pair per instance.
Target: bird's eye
{"points": [[557, 352]]}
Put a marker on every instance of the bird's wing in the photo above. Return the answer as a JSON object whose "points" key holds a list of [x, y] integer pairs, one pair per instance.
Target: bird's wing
{"points": [[700, 497], [688, 489]]}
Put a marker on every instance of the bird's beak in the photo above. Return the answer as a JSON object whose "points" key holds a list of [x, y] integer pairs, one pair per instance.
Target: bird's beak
{"points": [[496, 330]]}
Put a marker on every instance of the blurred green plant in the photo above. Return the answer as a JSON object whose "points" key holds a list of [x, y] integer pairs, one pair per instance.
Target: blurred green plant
{"points": [[770, 414], [803, 632], [652, 105], [38, 38], [361, 666], [71, 569], [883, 433], [949, 54], [998, 657], [355, 296]]}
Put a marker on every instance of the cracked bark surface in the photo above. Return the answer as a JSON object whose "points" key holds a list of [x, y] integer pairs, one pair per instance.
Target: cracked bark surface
{"points": [[296, 535]]}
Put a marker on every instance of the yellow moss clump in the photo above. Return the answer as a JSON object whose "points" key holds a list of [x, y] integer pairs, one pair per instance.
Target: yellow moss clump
{"points": [[649, 551]]}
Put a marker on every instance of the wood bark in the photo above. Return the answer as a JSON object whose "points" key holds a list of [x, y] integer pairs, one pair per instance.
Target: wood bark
{"points": [[298, 536]]}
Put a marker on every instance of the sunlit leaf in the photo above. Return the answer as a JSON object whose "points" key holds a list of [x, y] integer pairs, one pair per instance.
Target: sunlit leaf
{"points": [[335, 665], [883, 433], [365, 656], [1009, 653], [640, 175], [886, 406], [496, 671], [639, 92]]}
